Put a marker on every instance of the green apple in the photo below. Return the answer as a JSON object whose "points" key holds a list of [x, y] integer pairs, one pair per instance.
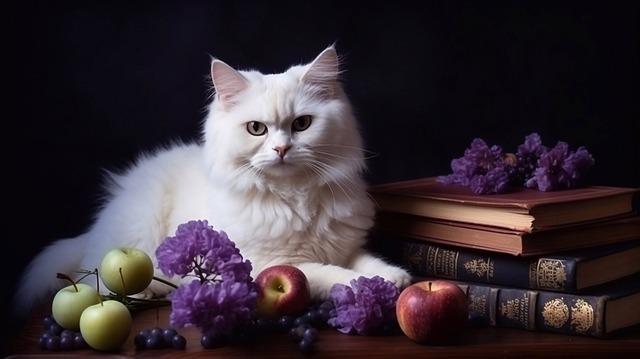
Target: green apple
{"points": [[106, 326], [69, 303], [136, 267]]}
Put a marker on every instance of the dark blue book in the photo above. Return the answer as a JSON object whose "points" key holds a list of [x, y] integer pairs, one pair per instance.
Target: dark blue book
{"points": [[567, 272], [598, 312]]}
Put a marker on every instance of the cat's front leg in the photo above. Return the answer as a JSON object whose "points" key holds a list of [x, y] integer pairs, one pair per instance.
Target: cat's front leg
{"points": [[323, 276], [370, 265]]}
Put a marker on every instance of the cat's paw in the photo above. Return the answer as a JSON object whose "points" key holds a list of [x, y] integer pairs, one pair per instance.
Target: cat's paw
{"points": [[153, 291], [400, 277]]}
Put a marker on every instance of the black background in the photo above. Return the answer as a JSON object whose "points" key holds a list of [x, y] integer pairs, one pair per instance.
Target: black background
{"points": [[96, 84]]}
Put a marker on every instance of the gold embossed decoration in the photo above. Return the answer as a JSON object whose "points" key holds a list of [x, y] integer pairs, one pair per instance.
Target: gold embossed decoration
{"points": [[442, 262], [555, 313], [477, 304], [480, 267], [551, 274], [581, 316]]}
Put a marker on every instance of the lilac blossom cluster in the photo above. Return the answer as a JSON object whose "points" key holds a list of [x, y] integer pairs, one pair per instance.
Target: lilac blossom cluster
{"points": [[222, 296], [487, 170], [365, 307]]}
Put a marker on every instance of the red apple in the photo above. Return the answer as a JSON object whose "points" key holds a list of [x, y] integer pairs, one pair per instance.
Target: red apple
{"points": [[432, 312], [283, 290]]}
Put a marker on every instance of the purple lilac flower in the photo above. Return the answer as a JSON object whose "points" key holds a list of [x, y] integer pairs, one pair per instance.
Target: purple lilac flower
{"points": [[481, 168], [527, 157], [216, 307], [560, 168], [197, 247], [364, 307]]}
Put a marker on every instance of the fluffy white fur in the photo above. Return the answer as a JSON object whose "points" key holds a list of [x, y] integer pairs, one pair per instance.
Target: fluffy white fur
{"points": [[308, 208]]}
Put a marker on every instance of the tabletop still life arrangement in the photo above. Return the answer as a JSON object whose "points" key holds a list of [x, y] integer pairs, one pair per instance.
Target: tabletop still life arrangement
{"points": [[493, 244]]}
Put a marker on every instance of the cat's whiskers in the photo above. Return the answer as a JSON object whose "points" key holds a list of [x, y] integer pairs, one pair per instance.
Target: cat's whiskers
{"points": [[346, 146], [324, 168], [338, 156], [333, 195]]}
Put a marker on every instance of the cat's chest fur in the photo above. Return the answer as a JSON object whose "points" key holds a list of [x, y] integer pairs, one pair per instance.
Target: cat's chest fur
{"points": [[271, 226]]}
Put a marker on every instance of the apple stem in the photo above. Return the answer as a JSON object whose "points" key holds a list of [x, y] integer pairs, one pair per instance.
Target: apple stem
{"points": [[429, 286], [124, 288], [98, 285], [66, 277], [165, 282]]}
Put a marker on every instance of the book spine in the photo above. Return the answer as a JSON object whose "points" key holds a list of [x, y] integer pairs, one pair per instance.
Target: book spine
{"points": [[428, 260], [535, 310]]}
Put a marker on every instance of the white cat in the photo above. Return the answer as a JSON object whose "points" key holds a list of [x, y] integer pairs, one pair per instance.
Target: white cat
{"points": [[279, 170]]}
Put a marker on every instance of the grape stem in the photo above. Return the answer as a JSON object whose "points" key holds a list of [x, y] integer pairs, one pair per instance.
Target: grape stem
{"points": [[66, 277]]}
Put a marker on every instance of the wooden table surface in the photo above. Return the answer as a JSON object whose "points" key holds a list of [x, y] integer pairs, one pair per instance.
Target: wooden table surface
{"points": [[474, 342]]}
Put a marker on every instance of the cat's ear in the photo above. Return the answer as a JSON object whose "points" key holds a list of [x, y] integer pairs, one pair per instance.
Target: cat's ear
{"points": [[227, 82], [323, 72]]}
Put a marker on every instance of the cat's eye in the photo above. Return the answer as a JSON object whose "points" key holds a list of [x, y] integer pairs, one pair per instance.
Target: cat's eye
{"points": [[301, 123], [256, 128]]}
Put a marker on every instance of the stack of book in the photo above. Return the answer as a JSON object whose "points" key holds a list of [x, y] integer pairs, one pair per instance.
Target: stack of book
{"points": [[565, 261]]}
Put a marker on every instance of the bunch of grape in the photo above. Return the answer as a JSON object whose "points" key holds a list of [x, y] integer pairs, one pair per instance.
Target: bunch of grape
{"points": [[57, 338], [158, 338], [302, 329]]}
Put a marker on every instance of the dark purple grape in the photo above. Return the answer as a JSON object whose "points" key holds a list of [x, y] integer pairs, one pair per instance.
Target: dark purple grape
{"points": [[66, 342], [154, 342], [311, 334], [305, 346], [285, 323], [140, 341], [53, 343], [67, 333], [78, 341], [310, 316], [211, 341], [47, 321], [178, 342], [296, 333], [168, 335], [42, 342], [55, 329], [323, 315], [156, 331], [299, 321], [328, 305], [145, 332]]}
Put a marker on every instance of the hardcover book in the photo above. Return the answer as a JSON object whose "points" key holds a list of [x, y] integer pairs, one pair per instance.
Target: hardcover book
{"points": [[616, 230], [567, 272], [523, 210], [598, 313]]}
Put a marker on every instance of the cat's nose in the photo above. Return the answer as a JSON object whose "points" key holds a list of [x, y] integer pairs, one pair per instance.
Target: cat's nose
{"points": [[282, 150]]}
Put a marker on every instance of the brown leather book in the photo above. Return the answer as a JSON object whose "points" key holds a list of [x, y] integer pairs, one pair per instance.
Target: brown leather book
{"points": [[523, 210], [619, 229]]}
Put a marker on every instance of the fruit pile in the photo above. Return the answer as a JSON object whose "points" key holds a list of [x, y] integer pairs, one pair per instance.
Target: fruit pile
{"points": [[55, 337], [158, 338], [80, 317]]}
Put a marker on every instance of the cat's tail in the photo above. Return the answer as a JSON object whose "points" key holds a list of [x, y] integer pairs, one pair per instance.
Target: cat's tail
{"points": [[39, 279]]}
